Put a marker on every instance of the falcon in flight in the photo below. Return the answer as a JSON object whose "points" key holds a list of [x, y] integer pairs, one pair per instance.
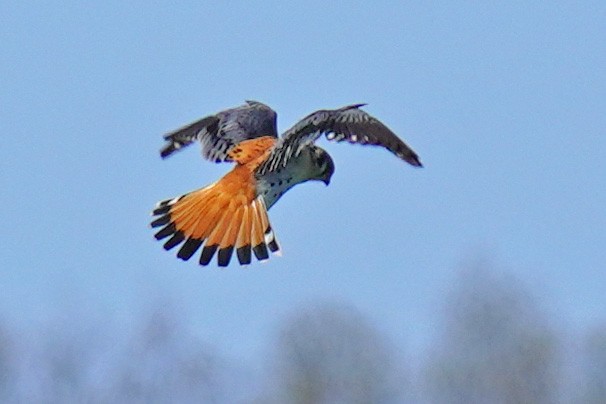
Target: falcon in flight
{"points": [[231, 214]]}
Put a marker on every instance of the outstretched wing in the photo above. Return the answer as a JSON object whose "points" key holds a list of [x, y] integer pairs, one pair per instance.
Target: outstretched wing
{"points": [[350, 124], [220, 132]]}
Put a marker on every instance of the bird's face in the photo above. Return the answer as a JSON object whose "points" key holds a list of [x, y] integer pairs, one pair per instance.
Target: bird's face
{"points": [[323, 166]]}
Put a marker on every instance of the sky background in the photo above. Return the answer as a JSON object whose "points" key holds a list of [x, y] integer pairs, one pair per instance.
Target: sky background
{"points": [[504, 103]]}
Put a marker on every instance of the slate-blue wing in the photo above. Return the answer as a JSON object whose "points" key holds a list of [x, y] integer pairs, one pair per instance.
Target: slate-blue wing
{"points": [[218, 133], [350, 124]]}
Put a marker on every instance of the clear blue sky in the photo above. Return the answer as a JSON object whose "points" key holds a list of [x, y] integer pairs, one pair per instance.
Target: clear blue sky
{"points": [[504, 103]]}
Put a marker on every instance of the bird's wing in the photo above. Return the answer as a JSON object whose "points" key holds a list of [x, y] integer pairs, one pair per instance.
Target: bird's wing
{"points": [[219, 133], [350, 124]]}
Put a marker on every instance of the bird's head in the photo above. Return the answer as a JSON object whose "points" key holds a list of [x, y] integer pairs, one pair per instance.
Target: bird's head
{"points": [[323, 165]]}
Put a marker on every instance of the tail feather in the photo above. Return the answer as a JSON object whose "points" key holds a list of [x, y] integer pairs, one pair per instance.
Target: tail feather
{"points": [[161, 221], [269, 236], [218, 219], [258, 233], [272, 243], [194, 242], [243, 240], [227, 244], [160, 210], [188, 214], [231, 237], [207, 254], [166, 231], [260, 251], [213, 240], [224, 256], [244, 255], [175, 240], [189, 248]]}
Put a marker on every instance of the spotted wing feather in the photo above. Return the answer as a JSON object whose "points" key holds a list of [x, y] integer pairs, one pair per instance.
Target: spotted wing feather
{"points": [[349, 124], [219, 133]]}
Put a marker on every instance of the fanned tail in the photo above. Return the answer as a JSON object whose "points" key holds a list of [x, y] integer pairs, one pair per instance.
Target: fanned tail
{"points": [[221, 218]]}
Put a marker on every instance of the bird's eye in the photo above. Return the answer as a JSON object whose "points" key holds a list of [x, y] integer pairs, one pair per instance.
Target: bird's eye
{"points": [[319, 159]]}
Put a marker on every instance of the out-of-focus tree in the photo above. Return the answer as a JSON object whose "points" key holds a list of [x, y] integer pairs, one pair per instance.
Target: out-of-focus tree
{"points": [[594, 368], [66, 362], [71, 362], [331, 354], [163, 363], [55, 364], [496, 345], [7, 365]]}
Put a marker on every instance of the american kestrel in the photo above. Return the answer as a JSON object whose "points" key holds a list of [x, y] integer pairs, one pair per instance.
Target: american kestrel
{"points": [[232, 212]]}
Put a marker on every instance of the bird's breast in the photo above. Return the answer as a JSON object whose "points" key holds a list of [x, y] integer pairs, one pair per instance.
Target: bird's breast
{"points": [[273, 185]]}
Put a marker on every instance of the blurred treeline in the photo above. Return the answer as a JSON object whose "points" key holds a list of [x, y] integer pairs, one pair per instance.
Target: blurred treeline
{"points": [[495, 344]]}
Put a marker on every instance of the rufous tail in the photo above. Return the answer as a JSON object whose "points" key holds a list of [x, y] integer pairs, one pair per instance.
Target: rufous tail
{"points": [[220, 217]]}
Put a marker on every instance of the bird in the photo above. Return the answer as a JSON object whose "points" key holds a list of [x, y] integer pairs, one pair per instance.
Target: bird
{"points": [[231, 213]]}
